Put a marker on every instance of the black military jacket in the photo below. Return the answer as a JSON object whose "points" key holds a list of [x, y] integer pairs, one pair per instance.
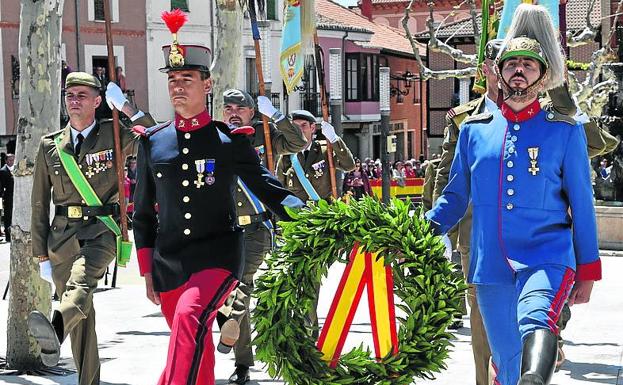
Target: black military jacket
{"points": [[185, 209]]}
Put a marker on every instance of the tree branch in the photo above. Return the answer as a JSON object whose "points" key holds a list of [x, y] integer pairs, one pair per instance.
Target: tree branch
{"points": [[438, 46], [599, 58], [474, 15], [426, 73], [594, 105]]}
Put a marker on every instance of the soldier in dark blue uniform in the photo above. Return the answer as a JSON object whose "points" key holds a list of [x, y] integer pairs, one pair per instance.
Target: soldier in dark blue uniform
{"points": [[189, 245]]}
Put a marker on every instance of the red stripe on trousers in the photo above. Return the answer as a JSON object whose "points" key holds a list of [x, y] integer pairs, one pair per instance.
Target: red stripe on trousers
{"points": [[190, 311], [559, 300]]}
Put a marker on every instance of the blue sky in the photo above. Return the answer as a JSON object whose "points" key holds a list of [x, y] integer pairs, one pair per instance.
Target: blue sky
{"points": [[346, 2]]}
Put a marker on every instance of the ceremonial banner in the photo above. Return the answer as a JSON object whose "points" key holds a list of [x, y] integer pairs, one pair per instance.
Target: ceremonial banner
{"points": [[364, 269], [511, 5], [490, 24], [291, 56]]}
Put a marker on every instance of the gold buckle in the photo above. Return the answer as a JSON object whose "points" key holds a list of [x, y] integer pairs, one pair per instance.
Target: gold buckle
{"points": [[244, 220], [74, 212]]}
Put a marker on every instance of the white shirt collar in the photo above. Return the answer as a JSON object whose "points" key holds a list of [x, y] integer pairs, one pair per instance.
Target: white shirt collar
{"points": [[85, 133], [490, 105]]}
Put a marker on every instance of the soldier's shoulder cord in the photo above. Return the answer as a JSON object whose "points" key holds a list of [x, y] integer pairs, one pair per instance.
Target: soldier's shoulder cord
{"points": [[552, 116], [484, 117]]}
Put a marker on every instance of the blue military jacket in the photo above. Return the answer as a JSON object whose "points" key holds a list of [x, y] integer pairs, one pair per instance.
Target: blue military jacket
{"points": [[185, 216], [527, 176]]}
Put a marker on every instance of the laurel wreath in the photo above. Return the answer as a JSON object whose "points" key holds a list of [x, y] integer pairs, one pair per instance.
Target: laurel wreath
{"points": [[426, 283]]}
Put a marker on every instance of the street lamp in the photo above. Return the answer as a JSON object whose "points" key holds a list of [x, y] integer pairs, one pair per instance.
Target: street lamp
{"points": [[384, 97]]}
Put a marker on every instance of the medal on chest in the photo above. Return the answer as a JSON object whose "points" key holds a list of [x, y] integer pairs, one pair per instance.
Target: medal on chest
{"points": [[98, 162], [533, 152], [210, 164], [318, 168], [205, 172], [90, 170]]}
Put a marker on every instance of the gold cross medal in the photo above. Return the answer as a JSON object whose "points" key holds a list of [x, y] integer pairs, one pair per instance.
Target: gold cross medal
{"points": [[89, 158], [99, 165], [533, 152], [200, 166]]}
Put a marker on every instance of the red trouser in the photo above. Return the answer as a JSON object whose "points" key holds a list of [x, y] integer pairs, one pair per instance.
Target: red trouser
{"points": [[190, 311]]}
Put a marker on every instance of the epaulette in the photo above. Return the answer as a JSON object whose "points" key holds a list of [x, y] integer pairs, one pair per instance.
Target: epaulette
{"points": [[51, 135], [553, 116], [465, 108], [244, 130], [146, 132], [480, 118]]}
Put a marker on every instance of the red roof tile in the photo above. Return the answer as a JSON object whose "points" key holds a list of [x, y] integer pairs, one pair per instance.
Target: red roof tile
{"points": [[383, 37]]}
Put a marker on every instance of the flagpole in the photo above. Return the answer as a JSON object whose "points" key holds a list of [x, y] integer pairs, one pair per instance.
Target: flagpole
{"points": [[119, 159], [325, 111], [262, 87]]}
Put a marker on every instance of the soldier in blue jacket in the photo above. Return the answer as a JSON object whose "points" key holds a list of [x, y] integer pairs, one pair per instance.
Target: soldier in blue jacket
{"points": [[526, 171]]}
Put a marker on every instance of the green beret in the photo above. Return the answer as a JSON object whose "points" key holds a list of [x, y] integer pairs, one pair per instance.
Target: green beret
{"points": [[304, 115], [238, 97], [82, 79]]}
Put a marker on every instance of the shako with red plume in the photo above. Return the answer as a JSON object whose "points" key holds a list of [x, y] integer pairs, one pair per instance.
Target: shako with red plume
{"points": [[174, 20]]}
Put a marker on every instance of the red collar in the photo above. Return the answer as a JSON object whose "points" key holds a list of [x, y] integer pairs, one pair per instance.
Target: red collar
{"points": [[194, 123], [527, 113]]}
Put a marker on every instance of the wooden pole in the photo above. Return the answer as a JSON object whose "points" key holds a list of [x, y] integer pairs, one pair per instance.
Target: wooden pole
{"points": [[255, 31], [325, 111], [119, 158], [260, 78]]}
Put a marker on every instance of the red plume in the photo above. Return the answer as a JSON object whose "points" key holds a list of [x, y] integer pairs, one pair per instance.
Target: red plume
{"points": [[174, 19]]}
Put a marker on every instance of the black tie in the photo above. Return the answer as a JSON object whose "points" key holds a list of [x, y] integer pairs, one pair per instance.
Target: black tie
{"points": [[80, 138]]}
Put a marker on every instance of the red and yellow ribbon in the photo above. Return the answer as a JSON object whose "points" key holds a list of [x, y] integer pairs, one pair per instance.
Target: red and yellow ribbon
{"points": [[364, 269]]}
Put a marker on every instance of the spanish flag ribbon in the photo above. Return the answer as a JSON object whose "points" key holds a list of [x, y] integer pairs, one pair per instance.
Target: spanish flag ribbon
{"points": [[364, 269]]}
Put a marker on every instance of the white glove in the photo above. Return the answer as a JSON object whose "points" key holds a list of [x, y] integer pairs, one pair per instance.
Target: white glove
{"points": [[114, 96], [446, 242], [45, 270], [265, 106], [329, 132]]}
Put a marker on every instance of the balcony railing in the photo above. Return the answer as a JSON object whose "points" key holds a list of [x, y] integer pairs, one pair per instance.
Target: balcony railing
{"points": [[310, 101]]}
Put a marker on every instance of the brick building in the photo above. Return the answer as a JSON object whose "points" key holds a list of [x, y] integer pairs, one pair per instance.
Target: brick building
{"points": [[83, 48]]}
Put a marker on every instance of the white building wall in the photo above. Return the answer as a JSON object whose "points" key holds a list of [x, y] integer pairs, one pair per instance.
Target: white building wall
{"points": [[198, 30]]}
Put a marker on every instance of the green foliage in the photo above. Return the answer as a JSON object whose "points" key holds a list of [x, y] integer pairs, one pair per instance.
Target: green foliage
{"points": [[577, 66], [323, 234]]}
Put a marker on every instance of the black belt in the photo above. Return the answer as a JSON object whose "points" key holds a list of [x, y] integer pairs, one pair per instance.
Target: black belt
{"points": [[245, 220], [86, 212]]}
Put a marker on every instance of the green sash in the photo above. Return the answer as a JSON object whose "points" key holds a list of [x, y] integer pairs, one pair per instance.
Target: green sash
{"points": [[124, 248]]}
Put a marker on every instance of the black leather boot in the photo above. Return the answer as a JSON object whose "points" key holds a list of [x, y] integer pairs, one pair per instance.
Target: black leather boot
{"points": [[240, 376], [538, 358]]}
